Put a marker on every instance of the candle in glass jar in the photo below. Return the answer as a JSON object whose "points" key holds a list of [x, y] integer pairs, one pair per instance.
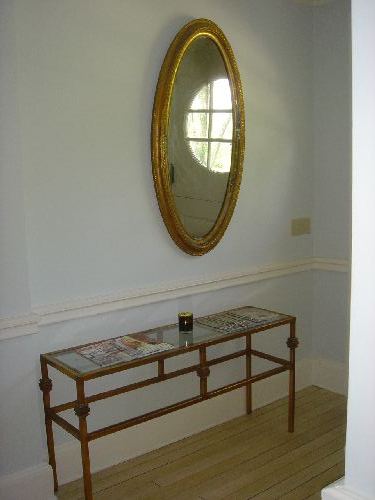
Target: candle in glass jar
{"points": [[185, 321]]}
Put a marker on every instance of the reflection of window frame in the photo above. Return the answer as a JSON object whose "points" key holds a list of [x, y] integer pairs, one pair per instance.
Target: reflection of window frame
{"points": [[209, 139]]}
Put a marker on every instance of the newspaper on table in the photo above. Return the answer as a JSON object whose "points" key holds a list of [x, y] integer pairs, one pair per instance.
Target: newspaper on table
{"points": [[240, 319], [113, 351]]}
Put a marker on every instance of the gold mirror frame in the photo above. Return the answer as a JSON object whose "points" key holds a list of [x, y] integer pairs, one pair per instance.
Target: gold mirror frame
{"points": [[159, 137]]}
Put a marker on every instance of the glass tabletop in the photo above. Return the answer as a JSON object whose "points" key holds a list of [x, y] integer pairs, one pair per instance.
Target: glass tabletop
{"points": [[111, 352]]}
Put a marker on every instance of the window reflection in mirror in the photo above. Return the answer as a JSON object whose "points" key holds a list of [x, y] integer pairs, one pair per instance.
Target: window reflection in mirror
{"points": [[209, 126], [200, 136]]}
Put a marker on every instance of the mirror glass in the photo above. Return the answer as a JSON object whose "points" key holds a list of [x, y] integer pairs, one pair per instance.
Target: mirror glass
{"points": [[200, 136]]}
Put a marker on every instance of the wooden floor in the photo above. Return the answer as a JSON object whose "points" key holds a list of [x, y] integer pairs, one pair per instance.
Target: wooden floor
{"points": [[249, 457]]}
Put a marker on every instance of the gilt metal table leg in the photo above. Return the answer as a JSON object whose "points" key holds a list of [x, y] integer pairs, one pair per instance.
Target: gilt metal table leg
{"points": [[45, 385], [249, 387], [292, 343], [203, 371], [82, 410]]}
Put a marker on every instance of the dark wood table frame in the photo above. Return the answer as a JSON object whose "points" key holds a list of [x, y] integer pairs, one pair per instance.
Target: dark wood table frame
{"points": [[202, 369]]}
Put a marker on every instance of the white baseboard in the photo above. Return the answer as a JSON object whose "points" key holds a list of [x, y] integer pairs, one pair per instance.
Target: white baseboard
{"points": [[331, 375], [34, 483], [269, 390], [154, 434], [338, 491]]}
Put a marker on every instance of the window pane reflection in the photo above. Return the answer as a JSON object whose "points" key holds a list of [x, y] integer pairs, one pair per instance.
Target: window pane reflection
{"points": [[220, 156], [222, 126]]}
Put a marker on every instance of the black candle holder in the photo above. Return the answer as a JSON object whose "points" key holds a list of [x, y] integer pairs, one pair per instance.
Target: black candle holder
{"points": [[185, 321]]}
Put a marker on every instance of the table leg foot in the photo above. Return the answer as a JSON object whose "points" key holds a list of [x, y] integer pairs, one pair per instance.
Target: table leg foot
{"points": [[82, 410], [45, 385], [292, 344]]}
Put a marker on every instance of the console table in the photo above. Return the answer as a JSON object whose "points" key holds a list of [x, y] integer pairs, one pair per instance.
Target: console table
{"points": [[98, 359]]}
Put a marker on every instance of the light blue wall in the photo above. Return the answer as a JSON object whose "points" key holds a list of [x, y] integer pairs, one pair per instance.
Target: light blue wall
{"points": [[332, 176], [85, 80], [80, 217]]}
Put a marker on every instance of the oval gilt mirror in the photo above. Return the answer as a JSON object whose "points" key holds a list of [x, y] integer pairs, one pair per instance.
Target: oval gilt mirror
{"points": [[198, 136]]}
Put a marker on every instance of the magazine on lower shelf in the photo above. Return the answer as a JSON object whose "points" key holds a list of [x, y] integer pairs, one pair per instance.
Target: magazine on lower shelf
{"points": [[113, 351]]}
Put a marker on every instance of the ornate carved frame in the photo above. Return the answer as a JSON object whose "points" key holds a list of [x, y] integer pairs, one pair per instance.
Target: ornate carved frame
{"points": [[159, 137]]}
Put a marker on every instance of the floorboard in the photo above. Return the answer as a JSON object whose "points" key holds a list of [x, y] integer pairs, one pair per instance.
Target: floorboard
{"points": [[248, 457]]}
